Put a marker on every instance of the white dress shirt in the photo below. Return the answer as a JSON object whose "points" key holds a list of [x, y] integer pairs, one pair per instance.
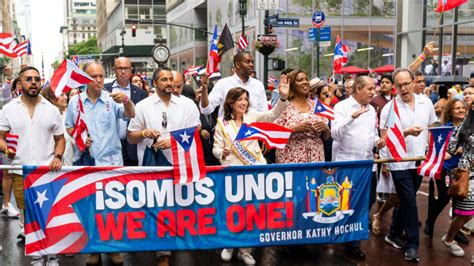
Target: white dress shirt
{"points": [[423, 115], [257, 96], [36, 134], [354, 139], [149, 114]]}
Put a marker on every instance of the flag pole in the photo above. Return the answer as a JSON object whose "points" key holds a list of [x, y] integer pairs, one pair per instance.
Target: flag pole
{"points": [[408, 159]]}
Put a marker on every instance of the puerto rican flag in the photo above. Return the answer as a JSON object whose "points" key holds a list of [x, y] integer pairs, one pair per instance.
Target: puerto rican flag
{"points": [[68, 76], [395, 139], [7, 44], [188, 157], [340, 55], [213, 59], [192, 70], [52, 224], [12, 141], [323, 110], [243, 43], [273, 135], [80, 131], [23, 48], [445, 5], [433, 164]]}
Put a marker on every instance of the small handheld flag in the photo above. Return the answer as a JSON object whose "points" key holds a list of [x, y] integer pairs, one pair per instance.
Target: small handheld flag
{"points": [[395, 139], [273, 135], [439, 139], [323, 110]]}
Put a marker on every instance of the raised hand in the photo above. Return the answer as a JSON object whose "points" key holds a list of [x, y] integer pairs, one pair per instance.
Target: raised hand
{"points": [[284, 87]]}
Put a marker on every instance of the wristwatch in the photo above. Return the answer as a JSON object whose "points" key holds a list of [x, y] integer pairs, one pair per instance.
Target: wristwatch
{"points": [[58, 156]]}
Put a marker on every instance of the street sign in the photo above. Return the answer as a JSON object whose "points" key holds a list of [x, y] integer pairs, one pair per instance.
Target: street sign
{"points": [[324, 34], [287, 22], [318, 19], [268, 4], [325, 44], [273, 20]]}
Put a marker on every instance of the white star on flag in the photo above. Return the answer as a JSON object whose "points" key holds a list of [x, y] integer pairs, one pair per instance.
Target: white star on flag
{"points": [[319, 108], [248, 133], [185, 137], [41, 197], [440, 139]]}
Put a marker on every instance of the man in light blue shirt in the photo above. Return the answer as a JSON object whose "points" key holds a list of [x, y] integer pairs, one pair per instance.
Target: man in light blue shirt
{"points": [[102, 113]]}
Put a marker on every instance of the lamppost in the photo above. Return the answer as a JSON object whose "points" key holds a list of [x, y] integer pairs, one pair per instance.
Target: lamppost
{"points": [[243, 13]]}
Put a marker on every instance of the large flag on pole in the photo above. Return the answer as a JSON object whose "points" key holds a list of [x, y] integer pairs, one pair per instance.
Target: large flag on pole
{"points": [[433, 164], [188, 157], [68, 76], [243, 43], [225, 41], [340, 55], [395, 139], [23, 48], [213, 59], [445, 5]]}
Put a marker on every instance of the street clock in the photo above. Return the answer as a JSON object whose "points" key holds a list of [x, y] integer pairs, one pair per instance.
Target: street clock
{"points": [[160, 54]]}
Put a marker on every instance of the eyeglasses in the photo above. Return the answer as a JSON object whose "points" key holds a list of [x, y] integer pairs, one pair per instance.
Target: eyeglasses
{"points": [[123, 69], [30, 79], [164, 122], [404, 85]]}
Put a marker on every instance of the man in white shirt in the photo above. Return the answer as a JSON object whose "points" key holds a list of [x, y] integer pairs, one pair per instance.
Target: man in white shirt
{"points": [[243, 66], [40, 131], [354, 131], [416, 115], [155, 117]]}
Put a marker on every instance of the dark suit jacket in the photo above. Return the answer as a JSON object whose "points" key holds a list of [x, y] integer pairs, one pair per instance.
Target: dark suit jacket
{"points": [[129, 151]]}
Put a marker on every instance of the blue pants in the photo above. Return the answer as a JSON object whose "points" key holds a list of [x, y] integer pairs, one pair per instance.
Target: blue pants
{"points": [[405, 217]]}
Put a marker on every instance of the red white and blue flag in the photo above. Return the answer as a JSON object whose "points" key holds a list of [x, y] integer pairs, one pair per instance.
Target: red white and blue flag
{"points": [[23, 48], [7, 44], [433, 164], [213, 59], [75, 59], [340, 55], [395, 139], [273, 135], [192, 70], [188, 157], [323, 110], [12, 141], [68, 76], [80, 131], [445, 5], [243, 43]]}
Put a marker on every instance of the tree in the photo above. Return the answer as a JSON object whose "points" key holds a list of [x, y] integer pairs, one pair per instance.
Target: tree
{"points": [[85, 47]]}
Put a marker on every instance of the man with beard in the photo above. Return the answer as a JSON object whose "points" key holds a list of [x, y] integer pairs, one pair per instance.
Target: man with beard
{"points": [[379, 101], [243, 66], [155, 117], [123, 71], [41, 141]]}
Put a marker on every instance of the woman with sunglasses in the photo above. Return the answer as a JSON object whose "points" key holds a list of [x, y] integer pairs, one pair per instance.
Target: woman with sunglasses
{"points": [[248, 152]]}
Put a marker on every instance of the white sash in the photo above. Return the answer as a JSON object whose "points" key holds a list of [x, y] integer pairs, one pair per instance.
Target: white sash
{"points": [[230, 133]]}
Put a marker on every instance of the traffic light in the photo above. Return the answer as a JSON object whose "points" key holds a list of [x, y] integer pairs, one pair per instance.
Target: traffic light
{"points": [[268, 29], [134, 30], [278, 64]]}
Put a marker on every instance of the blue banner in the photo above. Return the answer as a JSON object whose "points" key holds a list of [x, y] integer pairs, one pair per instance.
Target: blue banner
{"points": [[119, 209]]}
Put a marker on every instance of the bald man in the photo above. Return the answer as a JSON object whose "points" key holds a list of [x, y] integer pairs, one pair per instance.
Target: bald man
{"points": [[180, 88], [123, 71]]}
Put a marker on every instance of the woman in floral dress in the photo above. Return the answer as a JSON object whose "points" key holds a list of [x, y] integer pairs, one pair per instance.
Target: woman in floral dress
{"points": [[306, 142]]}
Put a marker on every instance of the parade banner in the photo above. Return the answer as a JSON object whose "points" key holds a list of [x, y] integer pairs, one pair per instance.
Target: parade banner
{"points": [[121, 209]]}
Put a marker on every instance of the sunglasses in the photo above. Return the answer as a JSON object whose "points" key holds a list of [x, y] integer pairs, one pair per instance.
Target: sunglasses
{"points": [[30, 79], [164, 122]]}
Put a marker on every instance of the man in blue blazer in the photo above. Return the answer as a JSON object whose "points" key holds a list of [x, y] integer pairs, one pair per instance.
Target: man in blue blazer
{"points": [[123, 71]]}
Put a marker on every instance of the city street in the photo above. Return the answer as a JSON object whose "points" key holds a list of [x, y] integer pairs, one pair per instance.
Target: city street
{"points": [[376, 250]]}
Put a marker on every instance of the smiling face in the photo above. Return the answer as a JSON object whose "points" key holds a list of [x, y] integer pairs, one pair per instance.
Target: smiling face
{"points": [[459, 111], [301, 84], [61, 101], [164, 83], [240, 106]]}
